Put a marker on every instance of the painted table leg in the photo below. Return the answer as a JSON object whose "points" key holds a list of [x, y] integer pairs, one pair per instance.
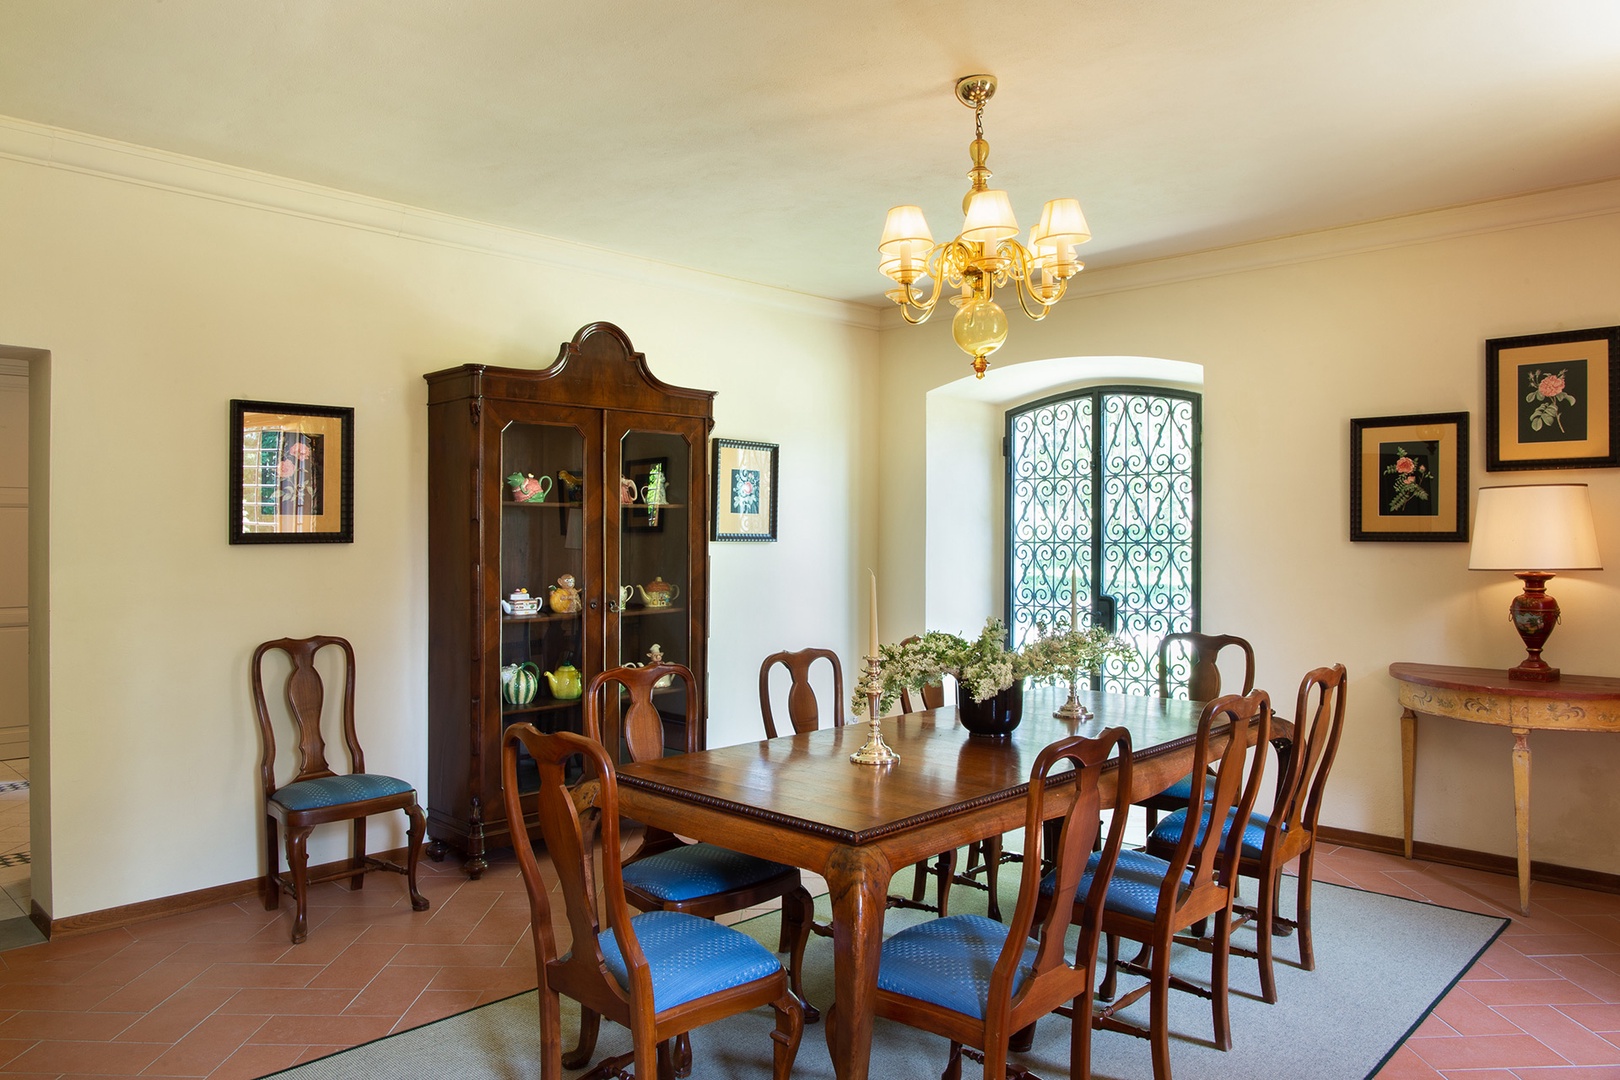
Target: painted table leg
{"points": [[1408, 769], [858, 881], [1521, 811]]}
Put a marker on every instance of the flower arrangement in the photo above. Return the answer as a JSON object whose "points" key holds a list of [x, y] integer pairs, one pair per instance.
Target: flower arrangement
{"points": [[984, 666]]}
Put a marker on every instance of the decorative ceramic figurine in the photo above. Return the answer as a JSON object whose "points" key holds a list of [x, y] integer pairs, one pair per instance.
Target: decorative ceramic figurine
{"points": [[527, 488], [564, 597], [627, 491], [655, 656], [521, 603], [571, 487]]}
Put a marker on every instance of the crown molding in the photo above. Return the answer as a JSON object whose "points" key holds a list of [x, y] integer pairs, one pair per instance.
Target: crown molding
{"points": [[60, 148]]}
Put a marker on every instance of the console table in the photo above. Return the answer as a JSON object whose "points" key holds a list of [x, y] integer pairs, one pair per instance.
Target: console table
{"points": [[1488, 696]]}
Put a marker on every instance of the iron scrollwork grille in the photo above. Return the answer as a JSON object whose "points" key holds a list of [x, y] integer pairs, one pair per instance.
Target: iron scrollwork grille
{"points": [[1103, 485]]}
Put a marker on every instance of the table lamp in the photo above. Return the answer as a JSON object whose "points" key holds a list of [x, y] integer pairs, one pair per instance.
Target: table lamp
{"points": [[1534, 530]]}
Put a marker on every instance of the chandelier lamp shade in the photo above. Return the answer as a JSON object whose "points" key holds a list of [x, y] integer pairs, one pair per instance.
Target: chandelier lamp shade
{"points": [[985, 256], [1534, 530]]}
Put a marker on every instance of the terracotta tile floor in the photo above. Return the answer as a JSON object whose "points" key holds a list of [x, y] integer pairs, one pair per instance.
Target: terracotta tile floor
{"points": [[221, 993]]}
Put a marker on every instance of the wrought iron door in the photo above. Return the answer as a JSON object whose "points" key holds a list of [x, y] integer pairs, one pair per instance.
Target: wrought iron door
{"points": [[1102, 506]]}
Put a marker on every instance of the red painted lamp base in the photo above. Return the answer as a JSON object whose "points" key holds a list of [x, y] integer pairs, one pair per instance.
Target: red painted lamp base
{"points": [[1534, 615]]}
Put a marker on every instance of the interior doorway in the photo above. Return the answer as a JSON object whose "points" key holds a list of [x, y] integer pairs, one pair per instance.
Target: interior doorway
{"points": [[15, 848]]}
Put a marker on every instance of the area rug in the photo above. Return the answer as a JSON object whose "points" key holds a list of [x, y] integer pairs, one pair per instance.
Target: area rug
{"points": [[1381, 965]]}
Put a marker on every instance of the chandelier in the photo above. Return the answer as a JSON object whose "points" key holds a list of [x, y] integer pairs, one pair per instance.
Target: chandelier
{"points": [[986, 255]]}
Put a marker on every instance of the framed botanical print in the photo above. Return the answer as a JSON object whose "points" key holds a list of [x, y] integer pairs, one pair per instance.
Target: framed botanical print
{"points": [[1409, 477], [292, 473], [744, 502], [1552, 401]]}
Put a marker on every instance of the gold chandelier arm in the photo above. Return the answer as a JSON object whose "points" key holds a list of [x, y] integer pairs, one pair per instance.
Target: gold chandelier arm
{"points": [[1024, 289], [924, 308]]}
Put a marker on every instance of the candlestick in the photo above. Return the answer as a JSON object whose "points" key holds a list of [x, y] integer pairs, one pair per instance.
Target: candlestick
{"points": [[875, 751], [1073, 580]]}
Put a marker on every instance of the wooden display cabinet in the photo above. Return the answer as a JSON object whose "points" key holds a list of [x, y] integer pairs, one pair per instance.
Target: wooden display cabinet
{"points": [[595, 422]]}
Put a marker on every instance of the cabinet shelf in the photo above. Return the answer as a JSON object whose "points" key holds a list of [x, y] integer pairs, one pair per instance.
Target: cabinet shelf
{"points": [[539, 705], [559, 505], [544, 616], [667, 609]]}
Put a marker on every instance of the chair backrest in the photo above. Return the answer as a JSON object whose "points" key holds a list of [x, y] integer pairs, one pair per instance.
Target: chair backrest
{"points": [[1076, 839], [568, 840], [641, 726], [803, 710], [931, 696], [1318, 722], [306, 697], [1202, 650], [1226, 728]]}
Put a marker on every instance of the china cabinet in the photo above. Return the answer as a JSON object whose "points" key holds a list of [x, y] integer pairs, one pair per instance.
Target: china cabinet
{"points": [[566, 534]]}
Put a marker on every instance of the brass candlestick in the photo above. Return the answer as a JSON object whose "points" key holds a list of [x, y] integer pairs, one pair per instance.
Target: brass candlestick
{"points": [[875, 751], [1072, 709]]}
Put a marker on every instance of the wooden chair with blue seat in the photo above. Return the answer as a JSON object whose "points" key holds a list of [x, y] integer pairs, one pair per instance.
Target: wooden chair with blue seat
{"points": [[660, 973], [1151, 899], [665, 872], [979, 982], [1203, 683], [1271, 841], [316, 794]]}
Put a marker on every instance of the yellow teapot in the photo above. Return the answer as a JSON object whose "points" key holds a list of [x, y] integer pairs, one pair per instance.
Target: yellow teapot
{"points": [[565, 683]]}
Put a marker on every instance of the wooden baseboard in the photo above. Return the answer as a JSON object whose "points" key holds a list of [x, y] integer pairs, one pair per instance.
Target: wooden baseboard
{"points": [[1473, 860], [180, 903]]}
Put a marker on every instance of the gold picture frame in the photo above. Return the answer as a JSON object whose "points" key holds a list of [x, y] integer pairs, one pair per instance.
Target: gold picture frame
{"points": [[1552, 401]]}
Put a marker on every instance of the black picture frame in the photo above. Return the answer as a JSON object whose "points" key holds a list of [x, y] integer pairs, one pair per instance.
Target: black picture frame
{"points": [[1409, 478], [1552, 401], [744, 493], [291, 473]]}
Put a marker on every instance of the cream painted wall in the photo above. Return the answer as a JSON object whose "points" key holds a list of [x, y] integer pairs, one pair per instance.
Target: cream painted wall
{"points": [[163, 288], [1295, 338]]}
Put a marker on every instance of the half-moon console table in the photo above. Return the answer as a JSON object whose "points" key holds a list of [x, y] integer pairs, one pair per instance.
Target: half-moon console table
{"points": [[1488, 696]]}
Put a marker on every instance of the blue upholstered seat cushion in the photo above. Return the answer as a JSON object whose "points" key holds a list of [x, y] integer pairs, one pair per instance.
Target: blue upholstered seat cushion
{"points": [[1134, 888], [1180, 790], [949, 961], [689, 957], [686, 873], [1254, 834], [338, 790]]}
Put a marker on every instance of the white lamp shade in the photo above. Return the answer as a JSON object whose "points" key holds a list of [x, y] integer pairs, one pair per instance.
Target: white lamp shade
{"points": [[905, 232], [989, 218], [1061, 223], [1534, 527]]}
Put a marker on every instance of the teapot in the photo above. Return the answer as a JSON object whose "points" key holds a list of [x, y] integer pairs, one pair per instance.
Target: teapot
{"points": [[564, 596], [658, 592], [527, 488], [565, 683], [519, 682]]}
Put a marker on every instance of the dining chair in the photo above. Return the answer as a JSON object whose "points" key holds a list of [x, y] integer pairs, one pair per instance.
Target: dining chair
{"points": [[979, 982], [665, 873], [1203, 683], [1151, 899], [659, 973], [803, 710], [1272, 841], [316, 794]]}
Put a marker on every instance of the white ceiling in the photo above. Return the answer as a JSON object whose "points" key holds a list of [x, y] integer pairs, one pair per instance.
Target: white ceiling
{"points": [[764, 141]]}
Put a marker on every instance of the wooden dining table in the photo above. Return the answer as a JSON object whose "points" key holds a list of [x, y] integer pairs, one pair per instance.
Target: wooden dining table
{"points": [[798, 799]]}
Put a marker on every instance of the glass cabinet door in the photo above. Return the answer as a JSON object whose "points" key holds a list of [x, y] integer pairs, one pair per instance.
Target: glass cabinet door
{"points": [[650, 557], [545, 651]]}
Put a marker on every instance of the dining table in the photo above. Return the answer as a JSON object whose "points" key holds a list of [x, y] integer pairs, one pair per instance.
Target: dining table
{"points": [[798, 799]]}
